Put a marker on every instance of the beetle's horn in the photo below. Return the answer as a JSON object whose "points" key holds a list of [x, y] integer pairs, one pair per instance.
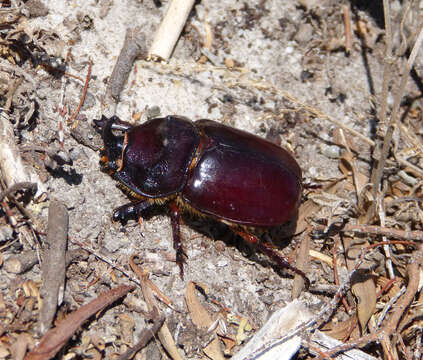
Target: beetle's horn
{"points": [[113, 145]]}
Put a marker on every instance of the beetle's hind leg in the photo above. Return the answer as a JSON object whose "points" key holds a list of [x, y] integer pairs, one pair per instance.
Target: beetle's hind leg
{"points": [[130, 210], [268, 249], [175, 218]]}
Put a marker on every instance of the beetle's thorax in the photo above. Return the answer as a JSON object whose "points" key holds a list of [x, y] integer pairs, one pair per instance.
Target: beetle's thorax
{"points": [[156, 156]]}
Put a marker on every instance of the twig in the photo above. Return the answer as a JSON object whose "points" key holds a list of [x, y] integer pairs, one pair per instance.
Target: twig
{"points": [[378, 172], [316, 112], [336, 276], [54, 262], [415, 235], [170, 28], [81, 101], [21, 263], [389, 306], [347, 26], [133, 47], [106, 260], [302, 262], [403, 348], [386, 248]]}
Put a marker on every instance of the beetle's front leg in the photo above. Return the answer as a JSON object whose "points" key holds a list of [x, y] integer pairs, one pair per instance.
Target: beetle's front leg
{"points": [[130, 210], [175, 218], [268, 249]]}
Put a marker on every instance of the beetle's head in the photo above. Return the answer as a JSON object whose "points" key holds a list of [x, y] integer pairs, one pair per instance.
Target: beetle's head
{"points": [[113, 145]]}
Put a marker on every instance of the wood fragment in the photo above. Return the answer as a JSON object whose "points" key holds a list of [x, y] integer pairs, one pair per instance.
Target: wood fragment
{"points": [[347, 26], [54, 262], [133, 47], [301, 263], [170, 28], [21, 263], [57, 337], [410, 235]]}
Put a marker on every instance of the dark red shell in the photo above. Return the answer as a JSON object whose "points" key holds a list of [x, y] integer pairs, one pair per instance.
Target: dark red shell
{"points": [[157, 156], [220, 171], [242, 178]]}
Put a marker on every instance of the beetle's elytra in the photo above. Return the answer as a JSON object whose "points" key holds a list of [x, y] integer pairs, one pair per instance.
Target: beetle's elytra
{"points": [[205, 167]]}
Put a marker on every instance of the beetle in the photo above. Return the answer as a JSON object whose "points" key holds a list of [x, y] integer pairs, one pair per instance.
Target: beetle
{"points": [[206, 168]]}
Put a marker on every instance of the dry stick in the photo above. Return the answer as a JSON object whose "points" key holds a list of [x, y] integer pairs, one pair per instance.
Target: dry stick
{"points": [[301, 264], [347, 26], [403, 47], [336, 276], [133, 47], [106, 260], [81, 101], [54, 262], [378, 172], [403, 348], [386, 248], [312, 110], [21, 263], [378, 230], [170, 28], [389, 306]]}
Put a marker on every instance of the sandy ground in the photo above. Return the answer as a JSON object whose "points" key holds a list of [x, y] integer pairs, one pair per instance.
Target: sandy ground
{"points": [[286, 54]]}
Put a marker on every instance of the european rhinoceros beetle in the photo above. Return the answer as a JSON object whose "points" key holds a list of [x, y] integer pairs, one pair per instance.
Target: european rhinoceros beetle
{"points": [[206, 168]]}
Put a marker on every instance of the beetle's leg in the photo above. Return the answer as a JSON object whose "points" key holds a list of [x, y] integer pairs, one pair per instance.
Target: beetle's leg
{"points": [[268, 249], [122, 213], [175, 218]]}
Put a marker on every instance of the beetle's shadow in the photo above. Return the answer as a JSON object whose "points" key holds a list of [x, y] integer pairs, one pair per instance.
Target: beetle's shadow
{"points": [[279, 237]]}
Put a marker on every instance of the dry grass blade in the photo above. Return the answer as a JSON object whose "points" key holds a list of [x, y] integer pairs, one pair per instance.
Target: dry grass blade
{"points": [[378, 171]]}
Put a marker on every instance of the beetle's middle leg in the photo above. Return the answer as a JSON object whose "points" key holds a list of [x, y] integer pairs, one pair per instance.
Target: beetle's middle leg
{"points": [[268, 249], [175, 219]]}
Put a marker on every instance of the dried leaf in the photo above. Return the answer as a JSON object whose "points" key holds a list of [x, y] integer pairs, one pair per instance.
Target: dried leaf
{"points": [[202, 319], [363, 286], [341, 329]]}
